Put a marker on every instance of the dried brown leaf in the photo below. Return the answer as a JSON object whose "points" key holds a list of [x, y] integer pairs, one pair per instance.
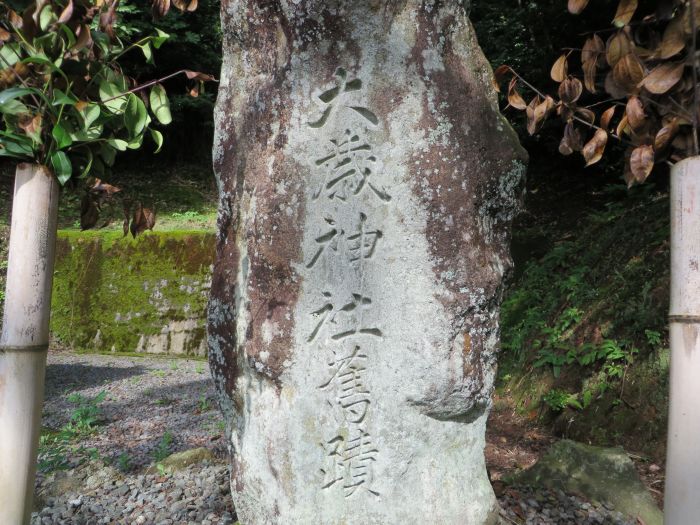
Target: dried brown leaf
{"points": [[499, 75], [559, 69], [592, 48], [84, 38], [622, 126], [662, 78], [593, 151], [606, 117], [196, 75], [612, 88], [89, 214], [4, 35], [589, 71], [665, 135], [144, 219], [67, 13], [576, 6], [628, 72], [514, 98], [635, 113], [642, 162], [185, 5], [673, 41], [625, 12], [160, 8], [586, 114], [570, 90], [618, 46], [571, 141]]}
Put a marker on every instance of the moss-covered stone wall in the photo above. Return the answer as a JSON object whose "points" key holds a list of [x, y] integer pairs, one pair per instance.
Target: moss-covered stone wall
{"points": [[146, 295]]}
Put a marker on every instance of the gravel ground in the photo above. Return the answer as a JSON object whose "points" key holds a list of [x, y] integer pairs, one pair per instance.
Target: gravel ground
{"points": [[105, 476]]}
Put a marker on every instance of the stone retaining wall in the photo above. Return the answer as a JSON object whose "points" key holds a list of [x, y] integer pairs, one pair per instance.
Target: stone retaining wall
{"points": [[147, 295]]}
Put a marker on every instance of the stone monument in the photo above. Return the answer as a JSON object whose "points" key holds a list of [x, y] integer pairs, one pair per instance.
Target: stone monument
{"points": [[367, 186]]}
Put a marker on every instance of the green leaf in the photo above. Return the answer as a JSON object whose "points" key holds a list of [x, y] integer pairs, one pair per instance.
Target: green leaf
{"points": [[135, 116], [147, 52], [135, 143], [90, 114], [7, 95], [118, 144], [13, 107], [15, 146], [157, 137], [160, 39], [88, 163], [87, 135], [108, 153], [113, 98], [160, 106], [61, 166], [60, 98], [46, 17], [10, 54], [61, 136]]}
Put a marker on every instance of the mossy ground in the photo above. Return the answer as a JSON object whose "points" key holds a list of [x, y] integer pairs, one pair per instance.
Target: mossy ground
{"points": [[127, 288]]}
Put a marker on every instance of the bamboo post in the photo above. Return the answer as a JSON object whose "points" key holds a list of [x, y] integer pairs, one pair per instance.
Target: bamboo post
{"points": [[682, 504], [25, 336]]}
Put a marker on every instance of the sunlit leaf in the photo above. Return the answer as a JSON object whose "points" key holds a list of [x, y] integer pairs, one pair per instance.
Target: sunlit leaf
{"points": [[157, 137], [135, 116], [67, 13], [593, 150], [625, 12], [576, 6], [160, 106], [113, 97], [118, 144], [662, 78], [559, 69]]}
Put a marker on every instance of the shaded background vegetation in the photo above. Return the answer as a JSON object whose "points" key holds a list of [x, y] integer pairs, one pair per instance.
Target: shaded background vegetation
{"points": [[584, 341]]}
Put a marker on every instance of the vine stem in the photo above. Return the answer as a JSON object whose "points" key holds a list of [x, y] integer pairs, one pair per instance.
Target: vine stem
{"points": [[149, 84]]}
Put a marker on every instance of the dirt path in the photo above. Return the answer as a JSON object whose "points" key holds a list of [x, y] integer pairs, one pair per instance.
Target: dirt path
{"points": [[154, 407]]}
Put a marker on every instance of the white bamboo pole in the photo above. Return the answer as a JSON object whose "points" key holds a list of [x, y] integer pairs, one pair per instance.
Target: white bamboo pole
{"points": [[682, 498], [25, 336]]}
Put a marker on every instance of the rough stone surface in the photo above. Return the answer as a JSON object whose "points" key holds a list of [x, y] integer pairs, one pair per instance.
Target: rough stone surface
{"points": [[367, 186], [146, 295], [184, 459], [602, 474]]}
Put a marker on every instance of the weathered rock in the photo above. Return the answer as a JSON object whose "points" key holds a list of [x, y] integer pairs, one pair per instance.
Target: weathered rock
{"points": [[602, 474], [184, 459], [367, 185]]}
